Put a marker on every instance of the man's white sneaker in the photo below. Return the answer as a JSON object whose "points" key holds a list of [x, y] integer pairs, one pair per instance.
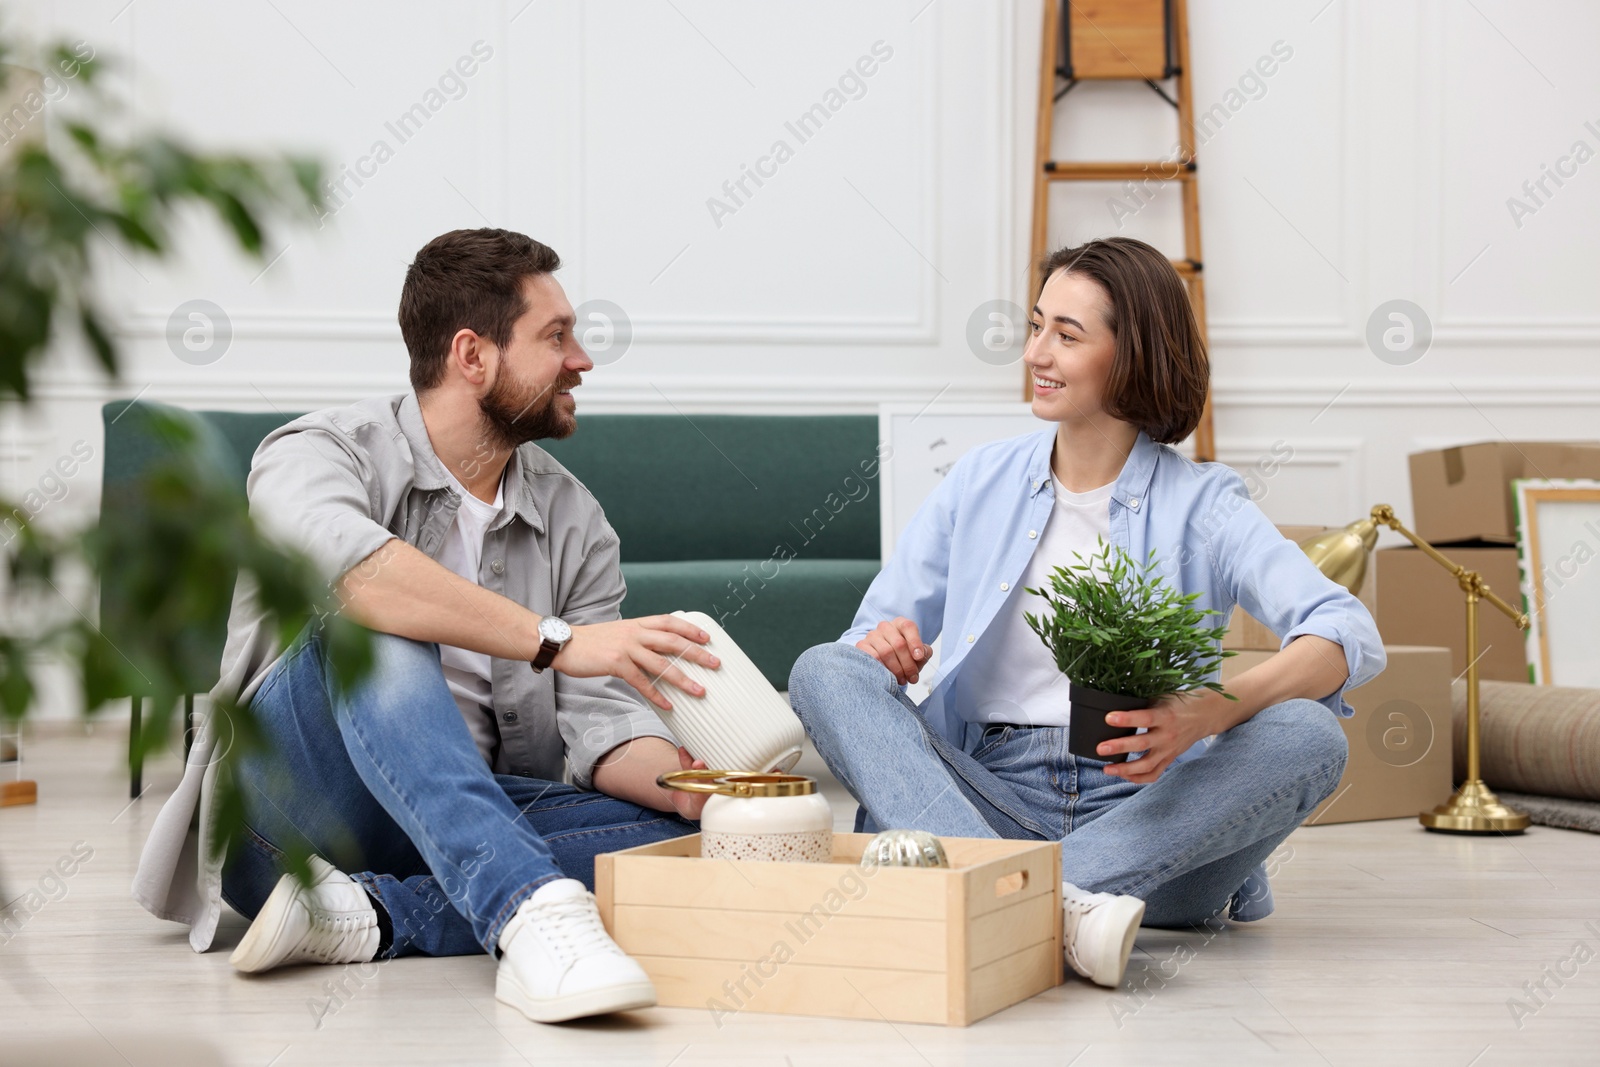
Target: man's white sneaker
{"points": [[1098, 929], [557, 962], [332, 921]]}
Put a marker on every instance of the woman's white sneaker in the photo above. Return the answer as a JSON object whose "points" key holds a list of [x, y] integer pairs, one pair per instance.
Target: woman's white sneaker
{"points": [[557, 962], [332, 921], [1098, 931]]}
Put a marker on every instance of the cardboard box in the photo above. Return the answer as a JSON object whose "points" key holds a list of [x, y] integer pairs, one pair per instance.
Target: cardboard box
{"points": [[1464, 494], [912, 945], [1421, 603], [1245, 633], [1400, 738]]}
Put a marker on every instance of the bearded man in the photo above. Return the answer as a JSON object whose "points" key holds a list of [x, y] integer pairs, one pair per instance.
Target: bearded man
{"points": [[431, 794]]}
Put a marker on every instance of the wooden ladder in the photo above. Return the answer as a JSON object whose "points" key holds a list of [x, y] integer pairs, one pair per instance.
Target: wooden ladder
{"points": [[1128, 40]]}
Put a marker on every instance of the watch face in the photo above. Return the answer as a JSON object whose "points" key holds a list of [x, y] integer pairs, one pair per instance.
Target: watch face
{"points": [[554, 629]]}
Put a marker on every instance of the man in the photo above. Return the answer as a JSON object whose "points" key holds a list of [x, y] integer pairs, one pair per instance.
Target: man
{"points": [[491, 583]]}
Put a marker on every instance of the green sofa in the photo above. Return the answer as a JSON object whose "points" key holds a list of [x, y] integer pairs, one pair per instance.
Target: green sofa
{"points": [[767, 523]]}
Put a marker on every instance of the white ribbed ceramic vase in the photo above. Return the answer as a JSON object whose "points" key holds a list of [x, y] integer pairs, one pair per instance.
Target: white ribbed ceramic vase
{"points": [[742, 723]]}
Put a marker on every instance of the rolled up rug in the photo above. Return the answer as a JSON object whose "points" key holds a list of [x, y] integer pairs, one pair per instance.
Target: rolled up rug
{"points": [[1534, 738]]}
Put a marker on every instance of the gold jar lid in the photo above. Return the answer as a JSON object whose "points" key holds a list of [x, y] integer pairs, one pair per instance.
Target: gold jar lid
{"points": [[739, 783]]}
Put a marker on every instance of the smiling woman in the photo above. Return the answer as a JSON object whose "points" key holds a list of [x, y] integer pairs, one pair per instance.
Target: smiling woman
{"points": [[1177, 833]]}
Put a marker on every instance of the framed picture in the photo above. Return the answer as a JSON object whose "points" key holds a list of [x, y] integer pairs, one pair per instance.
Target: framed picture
{"points": [[1558, 543]]}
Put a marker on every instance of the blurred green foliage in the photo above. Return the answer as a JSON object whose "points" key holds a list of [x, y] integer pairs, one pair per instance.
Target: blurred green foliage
{"points": [[72, 189]]}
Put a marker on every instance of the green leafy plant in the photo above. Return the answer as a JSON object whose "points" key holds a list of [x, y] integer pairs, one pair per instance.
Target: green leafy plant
{"points": [[1115, 625], [72, 189]]}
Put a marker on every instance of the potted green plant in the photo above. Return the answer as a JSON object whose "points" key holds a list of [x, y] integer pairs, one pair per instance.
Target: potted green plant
{"points": [[1124, 638]]}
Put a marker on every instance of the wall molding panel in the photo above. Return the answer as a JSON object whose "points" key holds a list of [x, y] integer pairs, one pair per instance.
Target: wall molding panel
{"points": [[1388, 144], [773, 394]]}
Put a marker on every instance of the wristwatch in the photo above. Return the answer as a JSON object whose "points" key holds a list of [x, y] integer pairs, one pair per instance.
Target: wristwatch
{"points": [[553, 637]]}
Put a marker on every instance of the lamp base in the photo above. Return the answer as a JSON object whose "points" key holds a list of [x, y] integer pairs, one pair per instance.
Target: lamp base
{"points": [[1474, 809]]}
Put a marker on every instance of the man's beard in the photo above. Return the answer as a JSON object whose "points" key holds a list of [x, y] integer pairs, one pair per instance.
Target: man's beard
{"points": [[516, 413]]}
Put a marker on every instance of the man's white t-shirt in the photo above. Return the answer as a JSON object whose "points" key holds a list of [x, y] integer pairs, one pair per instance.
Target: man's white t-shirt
{"points": [[468, 674], [1010, 676]]}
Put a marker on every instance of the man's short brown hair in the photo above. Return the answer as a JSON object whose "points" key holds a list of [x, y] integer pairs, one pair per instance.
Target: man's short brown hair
{"points": [[466, 280], [1161, 374]]}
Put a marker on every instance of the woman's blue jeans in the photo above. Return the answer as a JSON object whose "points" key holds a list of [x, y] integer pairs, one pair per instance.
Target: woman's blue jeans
{"points": [[1185, 843], [385, 782]]}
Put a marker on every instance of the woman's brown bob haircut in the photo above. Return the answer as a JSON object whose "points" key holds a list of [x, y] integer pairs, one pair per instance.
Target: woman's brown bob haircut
{"points": [[1161, 373]]}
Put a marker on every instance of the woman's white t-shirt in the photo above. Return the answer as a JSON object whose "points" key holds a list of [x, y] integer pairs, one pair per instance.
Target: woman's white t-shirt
{"points": [[1010, 676], [469, 674]]}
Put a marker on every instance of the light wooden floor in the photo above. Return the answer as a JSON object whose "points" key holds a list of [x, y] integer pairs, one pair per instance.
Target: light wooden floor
{"points": [[1390, 946]]}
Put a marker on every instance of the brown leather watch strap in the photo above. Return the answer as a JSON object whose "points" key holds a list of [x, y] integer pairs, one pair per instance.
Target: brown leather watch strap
{"points": [[547, 653]]}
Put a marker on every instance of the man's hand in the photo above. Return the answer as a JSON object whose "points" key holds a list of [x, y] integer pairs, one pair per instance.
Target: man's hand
{"points": [[1173, 724], [399, 590], [897, 645], [689, 805], [640, 652], [629, 772]]}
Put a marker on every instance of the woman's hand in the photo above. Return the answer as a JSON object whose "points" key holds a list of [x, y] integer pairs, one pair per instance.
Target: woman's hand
{"points": [[1173, 724], [897, 645]]}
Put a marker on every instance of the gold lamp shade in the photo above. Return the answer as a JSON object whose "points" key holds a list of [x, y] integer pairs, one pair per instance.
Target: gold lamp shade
{"points": [[1342, 554]]}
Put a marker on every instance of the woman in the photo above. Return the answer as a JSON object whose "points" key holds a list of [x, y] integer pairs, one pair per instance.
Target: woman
{"points": [[1173, 836]]}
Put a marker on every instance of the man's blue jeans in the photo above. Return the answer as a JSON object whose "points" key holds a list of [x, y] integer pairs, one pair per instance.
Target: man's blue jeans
{"points": [[1185, 844], [385, 783]]}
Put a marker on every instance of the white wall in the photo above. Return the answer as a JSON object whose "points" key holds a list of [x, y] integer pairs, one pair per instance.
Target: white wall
{"points": [[1375, 163]]}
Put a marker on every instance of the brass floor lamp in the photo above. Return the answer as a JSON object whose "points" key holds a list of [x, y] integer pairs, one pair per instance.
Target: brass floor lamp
{"points": [[1342, 555]]}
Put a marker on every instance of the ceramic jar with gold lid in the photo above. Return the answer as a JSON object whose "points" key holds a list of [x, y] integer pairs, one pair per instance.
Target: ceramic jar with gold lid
{"points": [[751, 816]]}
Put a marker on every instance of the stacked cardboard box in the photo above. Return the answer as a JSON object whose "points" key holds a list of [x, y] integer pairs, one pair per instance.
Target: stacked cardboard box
{"points": [[1462, 502], [1462, 495], [1399, 738], [1423, 604]]}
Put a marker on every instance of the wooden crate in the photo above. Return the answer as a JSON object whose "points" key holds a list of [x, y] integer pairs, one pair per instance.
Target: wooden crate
{"points": [[947, 946]]}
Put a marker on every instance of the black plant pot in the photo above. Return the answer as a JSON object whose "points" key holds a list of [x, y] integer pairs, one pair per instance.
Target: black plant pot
{"points": [[1088, 725]]}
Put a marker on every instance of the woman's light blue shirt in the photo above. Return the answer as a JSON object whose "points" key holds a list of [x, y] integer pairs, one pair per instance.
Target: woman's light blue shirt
{"points": [[972, 539]]}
